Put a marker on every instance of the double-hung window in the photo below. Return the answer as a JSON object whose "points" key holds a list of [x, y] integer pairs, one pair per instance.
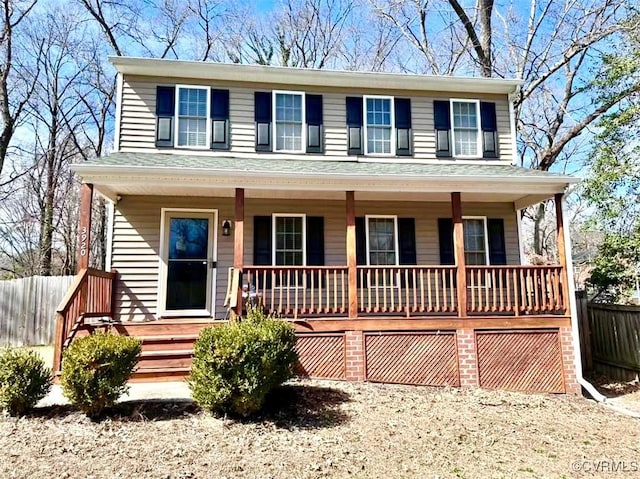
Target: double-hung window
{"points": [[289, 239], [465, 115], [382, 249], [193, 117], [378, 115], [289, 120], [476, 250]]}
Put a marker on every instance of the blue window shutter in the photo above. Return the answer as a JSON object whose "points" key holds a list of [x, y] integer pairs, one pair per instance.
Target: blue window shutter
{"points": [[361, 241], [497, 246], [442, 125], [262, 240], [165, 115], [315, 130], [489, 126], [219, 119], [407, 241], [315, 241], [403, 126], [354, 126], [262, 115], [445, 237]]}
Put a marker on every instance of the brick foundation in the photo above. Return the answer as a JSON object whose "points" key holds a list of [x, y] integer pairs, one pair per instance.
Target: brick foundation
{"points": [[354, 355], [467, 358], [568, 361]]}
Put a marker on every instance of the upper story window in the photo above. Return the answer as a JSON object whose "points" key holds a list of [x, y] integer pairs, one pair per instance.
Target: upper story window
{"points": [[465, 115], [289, 120], [193, 114], [379, 125], [192, 117], [465, 128]]}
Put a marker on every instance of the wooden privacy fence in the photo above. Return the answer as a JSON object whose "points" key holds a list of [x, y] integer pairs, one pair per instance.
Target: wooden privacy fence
{"points": [[28, 309], [610, 338]]}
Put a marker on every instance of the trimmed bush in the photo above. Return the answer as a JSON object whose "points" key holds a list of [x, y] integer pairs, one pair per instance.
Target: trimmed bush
{"points": [[96, 368], [236, 365], [24, 380]]}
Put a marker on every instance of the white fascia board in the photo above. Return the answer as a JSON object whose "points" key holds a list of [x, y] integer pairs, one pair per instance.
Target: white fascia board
{"points": [[114, 176], [310, 77]]}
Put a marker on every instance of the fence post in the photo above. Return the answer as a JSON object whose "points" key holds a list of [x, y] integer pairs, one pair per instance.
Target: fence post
{"points": [[585, 331]]}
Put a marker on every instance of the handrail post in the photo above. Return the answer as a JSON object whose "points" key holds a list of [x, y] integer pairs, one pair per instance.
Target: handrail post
{"points": [[351, 255], [458, 246]]}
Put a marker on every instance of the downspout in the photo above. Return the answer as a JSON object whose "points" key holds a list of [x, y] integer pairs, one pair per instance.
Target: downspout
{"points": [[593, 392]]}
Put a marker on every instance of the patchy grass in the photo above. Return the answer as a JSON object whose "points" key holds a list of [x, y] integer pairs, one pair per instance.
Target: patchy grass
{"points": [[314, 429]]}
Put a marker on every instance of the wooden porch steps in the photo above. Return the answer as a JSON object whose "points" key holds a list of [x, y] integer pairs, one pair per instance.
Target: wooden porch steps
{"points": [[167, 347]]}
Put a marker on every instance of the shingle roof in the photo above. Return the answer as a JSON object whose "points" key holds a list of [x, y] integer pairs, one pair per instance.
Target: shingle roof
{"points": [[159, 161]]}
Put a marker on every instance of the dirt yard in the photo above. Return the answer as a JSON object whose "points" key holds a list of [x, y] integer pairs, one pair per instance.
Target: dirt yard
{"points": [[316, 429]]}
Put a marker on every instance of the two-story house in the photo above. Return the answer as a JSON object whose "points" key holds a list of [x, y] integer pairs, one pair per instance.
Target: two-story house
{"points": [[378, 212]]}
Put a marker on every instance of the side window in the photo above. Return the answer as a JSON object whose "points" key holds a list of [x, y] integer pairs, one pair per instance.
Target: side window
{"points": [[465, 116], [193, 114], [289, 118], [378, 117]]}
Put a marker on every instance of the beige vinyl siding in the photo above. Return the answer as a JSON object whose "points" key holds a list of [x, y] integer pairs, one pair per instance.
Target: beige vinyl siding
{"points": [[137, 127], [136, 248], [136, 238]]}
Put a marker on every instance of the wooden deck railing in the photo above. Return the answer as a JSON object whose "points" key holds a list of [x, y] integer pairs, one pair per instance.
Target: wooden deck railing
{"points": [[407, 290], [410, 291], [295, 291], [90, 295], [515, 289]]}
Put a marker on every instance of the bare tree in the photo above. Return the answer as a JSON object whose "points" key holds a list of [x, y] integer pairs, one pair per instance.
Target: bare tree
{"points": [[555, 48], [16, 86]]}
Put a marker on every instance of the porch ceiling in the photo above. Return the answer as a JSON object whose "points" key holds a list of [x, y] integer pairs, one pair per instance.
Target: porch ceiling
{"points": [[190, 175]]}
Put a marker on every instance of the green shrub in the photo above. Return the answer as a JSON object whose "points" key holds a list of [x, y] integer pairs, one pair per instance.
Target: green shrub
{"points": [[24, 380], [96, 368], [236, 365]]}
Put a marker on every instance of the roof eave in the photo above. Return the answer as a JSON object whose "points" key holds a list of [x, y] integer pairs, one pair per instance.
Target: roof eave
{"points": [[310, 77], [131, 173]]}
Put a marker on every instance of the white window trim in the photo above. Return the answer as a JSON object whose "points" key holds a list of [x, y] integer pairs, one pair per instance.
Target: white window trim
{"points": [[273, 235], [366, 125], [486, 237], [303, 140], [210, 310], [395, 232], [453, 129], [207, 144]]}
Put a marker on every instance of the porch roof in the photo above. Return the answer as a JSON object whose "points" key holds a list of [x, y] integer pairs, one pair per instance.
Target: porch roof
{"points": [[128, 173]]}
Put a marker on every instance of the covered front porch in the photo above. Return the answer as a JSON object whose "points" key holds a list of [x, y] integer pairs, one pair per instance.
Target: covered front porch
{"points": [[416, 280]]}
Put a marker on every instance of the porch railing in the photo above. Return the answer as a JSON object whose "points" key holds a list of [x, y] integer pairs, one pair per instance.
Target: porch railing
{"points": [[296, 291], [407, 290], [515, 289], [90, 295], [410, 291]]}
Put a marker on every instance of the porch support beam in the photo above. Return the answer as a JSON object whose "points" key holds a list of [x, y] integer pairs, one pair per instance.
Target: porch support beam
{"points": [[84, 226], [351, 255], [562, 251], [458, 246], [238, 246]]}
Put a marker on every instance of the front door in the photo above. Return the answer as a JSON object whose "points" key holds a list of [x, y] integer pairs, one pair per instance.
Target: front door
{"points": [[188, 263]]}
